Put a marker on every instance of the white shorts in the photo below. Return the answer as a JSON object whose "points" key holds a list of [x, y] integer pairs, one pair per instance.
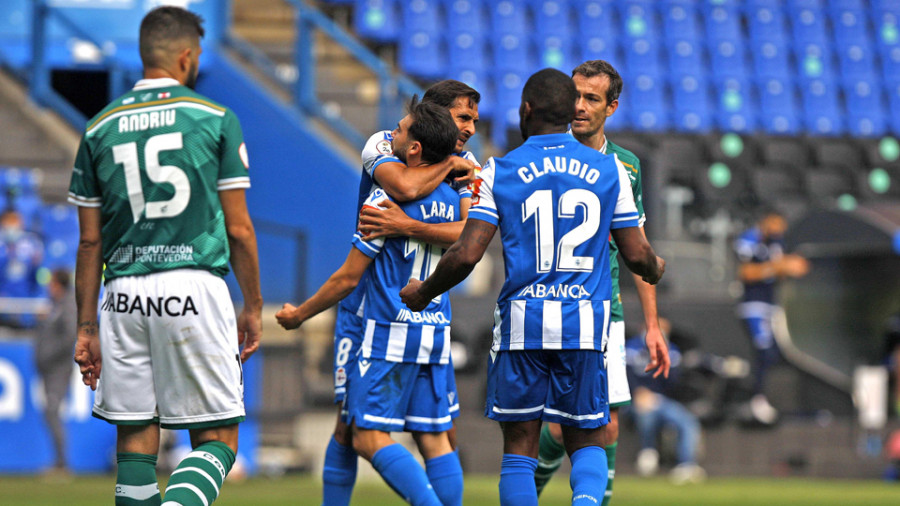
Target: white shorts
{"points": [[619, 393], [170, 352]]}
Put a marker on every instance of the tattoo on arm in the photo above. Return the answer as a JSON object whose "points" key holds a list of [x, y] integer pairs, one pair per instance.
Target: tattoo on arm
{"points": [[88, 327]]}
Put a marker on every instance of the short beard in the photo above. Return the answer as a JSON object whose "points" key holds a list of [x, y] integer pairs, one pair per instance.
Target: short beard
{"points": [[191, 81]]}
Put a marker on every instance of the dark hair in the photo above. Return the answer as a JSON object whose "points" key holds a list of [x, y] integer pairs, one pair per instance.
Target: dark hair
{"points": [[444, 93], [165, 24], [434, 128], [552, 96], [593, 68], [63, 277]]}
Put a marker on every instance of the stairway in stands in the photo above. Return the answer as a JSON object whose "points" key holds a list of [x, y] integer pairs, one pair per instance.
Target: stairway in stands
{"points": [[35, 138], [344, 86]]}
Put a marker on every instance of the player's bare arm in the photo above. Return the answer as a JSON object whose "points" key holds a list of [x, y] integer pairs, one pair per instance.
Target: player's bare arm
{"points": [[391, 221], [245, 262], [788, 266], [638, 254], [88, 272], [454, 266], [405, 184], [339, 285], [656, 343]]}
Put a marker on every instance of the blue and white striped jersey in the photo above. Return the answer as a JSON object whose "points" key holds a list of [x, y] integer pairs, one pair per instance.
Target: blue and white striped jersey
{"points": [[555, 202], [378, 150], [393, 332]]}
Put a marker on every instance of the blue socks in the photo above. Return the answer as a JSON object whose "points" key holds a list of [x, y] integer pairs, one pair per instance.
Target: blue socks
{"points": [[403, 473], [339, 474], [446, 476], [517, 480], [589, 476]]}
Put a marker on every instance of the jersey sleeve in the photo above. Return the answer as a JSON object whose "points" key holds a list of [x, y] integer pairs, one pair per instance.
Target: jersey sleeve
{"points": [[465, 191], [83, 189], [483, 206], [377, 150], [626, 213], [233, 162], [373, 247], [637, 187]]}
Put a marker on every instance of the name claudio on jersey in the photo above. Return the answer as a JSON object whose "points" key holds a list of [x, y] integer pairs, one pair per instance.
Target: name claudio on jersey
{"points": [[559, 165]]}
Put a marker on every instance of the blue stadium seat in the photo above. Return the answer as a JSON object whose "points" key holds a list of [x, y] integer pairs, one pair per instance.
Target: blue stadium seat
{"points": [[686, 57], [795, 5], [849, 26], [865, 108], [58, 220], [809, 25], [723, 22], [553, 18], [778, 107], [17, 181], [647, 105], [728, 58], [509, 96], [893, 93], [767, 24], [466, 51], [600, 46], [423, 16], [465, 16], [422, 54], [509, 17], [822, 112], [771, 60], [736, 109], [377, 20], [556, 52], [857, 60], [596, 18], [638, 20], [814, 61], [681, 21], [693, 105], [848, 4], [513, 52], [890, 64], [642, 56], [482, 82]]}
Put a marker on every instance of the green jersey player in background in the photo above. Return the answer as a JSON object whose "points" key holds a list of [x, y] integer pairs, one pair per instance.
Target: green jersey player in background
{"points": [[159, 180], [599, 85]]}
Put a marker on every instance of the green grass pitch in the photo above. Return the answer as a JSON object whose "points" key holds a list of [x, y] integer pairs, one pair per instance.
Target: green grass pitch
{"points": [[482, 490]]}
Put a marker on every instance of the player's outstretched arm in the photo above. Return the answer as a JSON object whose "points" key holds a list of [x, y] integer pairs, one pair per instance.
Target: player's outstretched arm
{"points": [[656, 343], [338, 286], [454, 266], [391, 221], [405, 184], [88, 272], [638, 254], [245, 262]]}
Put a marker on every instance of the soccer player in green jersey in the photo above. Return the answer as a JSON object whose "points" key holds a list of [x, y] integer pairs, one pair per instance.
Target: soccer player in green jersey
{"points": [[598, 85], [159, 180]]}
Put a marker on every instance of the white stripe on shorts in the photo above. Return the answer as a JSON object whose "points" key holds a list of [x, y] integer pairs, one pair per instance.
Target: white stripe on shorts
{"points": [[505, 411], [425, 419], [595, 416], [381, 419]]}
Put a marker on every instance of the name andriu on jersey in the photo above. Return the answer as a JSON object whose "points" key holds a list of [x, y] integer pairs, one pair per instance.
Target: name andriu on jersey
{"points": [[146, 120], [148, 306]]}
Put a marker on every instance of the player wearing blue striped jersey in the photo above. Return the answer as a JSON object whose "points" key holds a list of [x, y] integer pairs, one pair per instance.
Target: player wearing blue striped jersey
{"points": [[400, 379], [555, 202], [401, 183], [599, 85]]}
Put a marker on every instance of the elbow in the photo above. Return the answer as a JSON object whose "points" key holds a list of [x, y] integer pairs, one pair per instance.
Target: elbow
{"points": [[405, 193], [240, 232], [346, 284]]}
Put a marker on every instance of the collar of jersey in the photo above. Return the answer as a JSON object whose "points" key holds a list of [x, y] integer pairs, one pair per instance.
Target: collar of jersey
{"points": [[161, 82], [547, 139]]}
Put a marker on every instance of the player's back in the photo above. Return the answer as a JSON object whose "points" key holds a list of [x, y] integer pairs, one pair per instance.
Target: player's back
{"points": [[396, 260], [154, 161], [556, 200]]}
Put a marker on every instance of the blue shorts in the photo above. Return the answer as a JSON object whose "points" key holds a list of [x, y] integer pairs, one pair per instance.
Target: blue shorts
{"points": [[452, 398], [348, 329], [393, 396], [560, 386]]}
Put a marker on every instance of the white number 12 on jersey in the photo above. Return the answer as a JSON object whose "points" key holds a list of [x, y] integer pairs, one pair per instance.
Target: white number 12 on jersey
{"points": [[540, 205], [127, 156]]}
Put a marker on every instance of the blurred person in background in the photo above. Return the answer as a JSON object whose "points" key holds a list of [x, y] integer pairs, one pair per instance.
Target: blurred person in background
{"points": [[762, 264], [21, 253], [654, 409], [53, 357]]}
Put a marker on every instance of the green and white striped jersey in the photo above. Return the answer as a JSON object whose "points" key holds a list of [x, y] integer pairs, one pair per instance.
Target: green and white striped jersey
{"points": [[154, 161]]}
